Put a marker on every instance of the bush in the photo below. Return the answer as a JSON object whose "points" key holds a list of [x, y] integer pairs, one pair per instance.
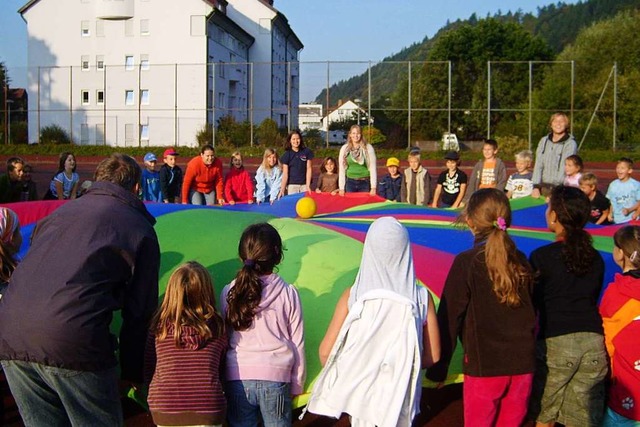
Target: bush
{"points": [[19, 133], [54, 134], [268, 134], [204, 135]]}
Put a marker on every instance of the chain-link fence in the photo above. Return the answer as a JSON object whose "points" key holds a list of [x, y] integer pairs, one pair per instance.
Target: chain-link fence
{"points": [[153, 104]]}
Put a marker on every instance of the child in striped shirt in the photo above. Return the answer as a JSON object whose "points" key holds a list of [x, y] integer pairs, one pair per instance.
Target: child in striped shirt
{"points": [[185, 350]]}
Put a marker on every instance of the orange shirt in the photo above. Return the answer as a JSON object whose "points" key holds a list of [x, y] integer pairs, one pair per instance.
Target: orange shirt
{"points": [[488, 174], [202, 178]]}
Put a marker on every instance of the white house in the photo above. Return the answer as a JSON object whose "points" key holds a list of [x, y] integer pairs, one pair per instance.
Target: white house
{"points": [[345, 112], [140, 72], [309, 117]]}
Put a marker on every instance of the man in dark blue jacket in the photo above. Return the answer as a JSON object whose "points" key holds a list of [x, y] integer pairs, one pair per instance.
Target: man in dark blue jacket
{"points": [[91, 257]]}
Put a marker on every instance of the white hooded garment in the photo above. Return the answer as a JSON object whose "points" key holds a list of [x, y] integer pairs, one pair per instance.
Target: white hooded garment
{"points": [[373, 370]]}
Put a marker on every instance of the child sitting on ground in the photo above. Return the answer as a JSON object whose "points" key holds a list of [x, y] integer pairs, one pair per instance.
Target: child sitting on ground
{"points": [[573, 166], [520, 184], [64, 185], [328, 179], [238, 186], [452, 183], [600, 205], [151, 180], [416, 185], [490, 172], [390, 186], [624, 193], [28, 187]]}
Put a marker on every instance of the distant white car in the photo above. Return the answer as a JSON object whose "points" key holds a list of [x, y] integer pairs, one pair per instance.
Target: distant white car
{"points": [[450, 142]]}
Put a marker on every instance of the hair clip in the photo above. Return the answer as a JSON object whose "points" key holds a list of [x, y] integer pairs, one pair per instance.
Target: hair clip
{"points": [[633, 256], [501, 224], [249, 263]]}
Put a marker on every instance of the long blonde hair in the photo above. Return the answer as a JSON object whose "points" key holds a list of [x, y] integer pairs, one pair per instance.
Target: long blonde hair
{"points": [[265, 162], [489, 216], [362, 138], [189, 300]]}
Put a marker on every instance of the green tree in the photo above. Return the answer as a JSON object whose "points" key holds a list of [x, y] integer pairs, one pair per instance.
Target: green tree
{"points": [[231, 133], [469, 48], [373, 135], [595, 51], [268, 134]]}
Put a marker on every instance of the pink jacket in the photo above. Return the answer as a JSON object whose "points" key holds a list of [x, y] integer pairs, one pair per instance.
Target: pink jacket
{"points": [[272, 349]]}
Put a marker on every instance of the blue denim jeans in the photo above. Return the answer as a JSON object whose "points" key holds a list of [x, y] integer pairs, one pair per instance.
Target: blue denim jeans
{"points": [[357, 185], [249, 400], [56, 397]]}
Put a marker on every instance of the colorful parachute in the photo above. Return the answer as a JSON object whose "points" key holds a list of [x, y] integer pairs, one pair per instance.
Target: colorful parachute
{"points": [[322, 254]]}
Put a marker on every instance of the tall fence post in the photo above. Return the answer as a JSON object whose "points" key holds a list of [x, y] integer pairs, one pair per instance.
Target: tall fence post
{"points": [[409, 105]]}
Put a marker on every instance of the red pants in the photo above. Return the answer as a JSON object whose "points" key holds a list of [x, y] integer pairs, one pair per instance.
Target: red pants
{"points": [[496, 401]]}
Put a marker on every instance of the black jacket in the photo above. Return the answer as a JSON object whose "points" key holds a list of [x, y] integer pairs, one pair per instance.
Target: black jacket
{"points": [[91, 257], [170, 182], [497, 340]]}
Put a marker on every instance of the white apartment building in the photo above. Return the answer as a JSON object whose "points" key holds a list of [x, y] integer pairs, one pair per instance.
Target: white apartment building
{"points": [[144, 72], [309, 117], [275, 61]]}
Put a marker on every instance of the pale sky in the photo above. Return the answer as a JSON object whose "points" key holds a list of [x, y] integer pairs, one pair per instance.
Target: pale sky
{"points": [[331, 30]]}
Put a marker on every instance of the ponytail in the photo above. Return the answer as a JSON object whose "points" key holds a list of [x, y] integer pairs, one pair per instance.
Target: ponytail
{"points": [[244, 297], [260, 249], [489, 213]]}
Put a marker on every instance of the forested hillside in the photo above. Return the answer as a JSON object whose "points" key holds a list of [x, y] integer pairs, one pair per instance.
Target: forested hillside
{"points": [[557, 24]]}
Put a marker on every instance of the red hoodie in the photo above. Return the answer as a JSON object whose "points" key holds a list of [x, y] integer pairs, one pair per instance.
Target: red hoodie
{"points": [[238, 185], [620, 310]]}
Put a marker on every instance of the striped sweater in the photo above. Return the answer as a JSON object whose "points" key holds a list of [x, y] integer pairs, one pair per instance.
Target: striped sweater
{"points": [[185, 386]]}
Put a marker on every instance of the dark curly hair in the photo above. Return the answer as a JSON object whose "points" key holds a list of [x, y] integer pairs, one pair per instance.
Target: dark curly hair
{"points": [[573, 209]]}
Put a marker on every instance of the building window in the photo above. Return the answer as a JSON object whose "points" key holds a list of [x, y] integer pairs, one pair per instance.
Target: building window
{"points": [[84, 95], [144, 62], [221, 100], [144, 132], [100, 134], [129, 63], [84, 133], [85, 62], [128, 97], [128, 134], [221, 69], [100, 97], [84, 28], [144, 27], [144, 97], [100, 62]]}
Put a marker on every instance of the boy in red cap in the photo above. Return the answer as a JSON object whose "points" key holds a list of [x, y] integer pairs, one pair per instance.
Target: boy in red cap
{"points": [[170, 177]]}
